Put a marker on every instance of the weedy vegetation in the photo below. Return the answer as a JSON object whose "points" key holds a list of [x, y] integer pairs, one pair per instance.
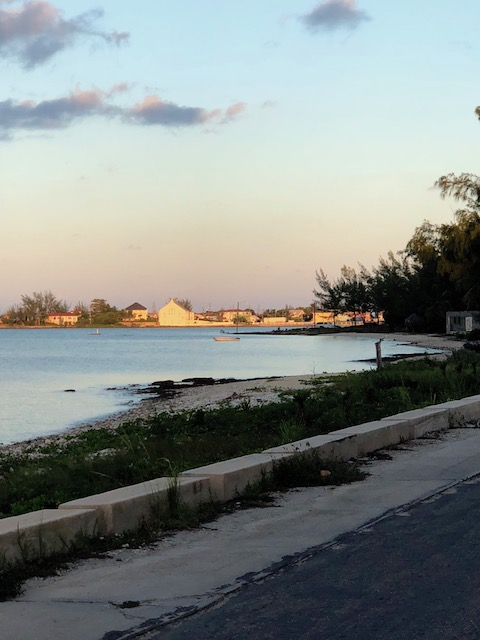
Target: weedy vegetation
{"points": [[171, 514], [99, 460]]}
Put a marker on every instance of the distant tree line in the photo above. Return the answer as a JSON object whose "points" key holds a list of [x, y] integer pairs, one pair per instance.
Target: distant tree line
{"points": [[34, 309], [438, 271]]}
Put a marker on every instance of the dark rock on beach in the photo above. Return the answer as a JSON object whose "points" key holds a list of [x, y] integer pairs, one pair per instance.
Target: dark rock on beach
{"points": [[168, 388], [198, 381], [163, 384]]}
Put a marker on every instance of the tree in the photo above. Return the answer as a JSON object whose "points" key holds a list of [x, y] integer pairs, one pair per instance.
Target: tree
{"points": [[457, 245], [354, 288], [350, 292], [465, 187], [438, 271], [185, 303], [447, 256], [329, 295], [99, 305], [103, 313], [84, 310], [14, 315], [35, 308], [393, 288]]}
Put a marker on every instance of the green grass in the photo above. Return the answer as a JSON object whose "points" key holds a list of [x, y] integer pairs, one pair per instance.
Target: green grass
{"points": [[100, 460]]}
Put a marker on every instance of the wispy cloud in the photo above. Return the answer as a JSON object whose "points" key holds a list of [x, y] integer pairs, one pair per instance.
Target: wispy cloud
{"points": [[334, 14], [154, 111], [234, 111], [60, 113], [50, 114], [36, 30]]}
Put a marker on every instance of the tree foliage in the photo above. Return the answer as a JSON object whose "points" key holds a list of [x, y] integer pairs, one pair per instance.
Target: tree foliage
{"points": [[99, 305], [34, 308], [103, 313], [350, 292], [448, 255], [185, 303], [438, 271]]}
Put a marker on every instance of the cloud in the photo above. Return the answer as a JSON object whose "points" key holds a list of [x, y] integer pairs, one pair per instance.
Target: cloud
{"points": [[334, 14], [154, 111], [35, 31], [63, 112], [120, 87], [50, 114], [234, 111]]}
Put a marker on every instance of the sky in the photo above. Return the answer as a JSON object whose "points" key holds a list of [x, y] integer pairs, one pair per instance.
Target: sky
{"points": [[225, 151]]}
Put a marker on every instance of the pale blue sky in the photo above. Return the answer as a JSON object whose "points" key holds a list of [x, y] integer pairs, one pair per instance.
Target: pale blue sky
{"points": [[224, 151]]}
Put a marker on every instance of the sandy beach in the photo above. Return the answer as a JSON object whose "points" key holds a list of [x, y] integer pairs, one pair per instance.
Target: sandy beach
{"points": [[257, 391]]}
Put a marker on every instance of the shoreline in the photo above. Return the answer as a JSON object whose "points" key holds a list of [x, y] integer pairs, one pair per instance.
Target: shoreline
{"points": [[208, 396]]}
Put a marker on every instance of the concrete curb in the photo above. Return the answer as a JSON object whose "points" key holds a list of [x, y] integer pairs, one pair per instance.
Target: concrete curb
{"points": [[45, 532]]}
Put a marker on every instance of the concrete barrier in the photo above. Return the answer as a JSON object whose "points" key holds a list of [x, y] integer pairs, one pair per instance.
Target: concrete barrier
{"points": [[229, 478], [123, 509], [461, 411], [331, 445], [379, 434], [120, 510], [422, 421], [43, 533]]}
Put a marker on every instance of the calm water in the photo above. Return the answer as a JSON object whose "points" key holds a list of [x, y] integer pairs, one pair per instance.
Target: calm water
{"points": [[36, 366]]}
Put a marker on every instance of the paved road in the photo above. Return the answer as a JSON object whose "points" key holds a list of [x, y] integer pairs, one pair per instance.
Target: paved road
{"points": [[412, 575], [358, 588]]}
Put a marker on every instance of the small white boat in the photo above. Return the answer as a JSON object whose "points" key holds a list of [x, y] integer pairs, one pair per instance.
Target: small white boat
{"points": [[229, 337]]}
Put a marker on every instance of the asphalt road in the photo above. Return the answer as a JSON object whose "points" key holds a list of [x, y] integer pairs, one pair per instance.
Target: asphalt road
{"points": [[412, 575]]}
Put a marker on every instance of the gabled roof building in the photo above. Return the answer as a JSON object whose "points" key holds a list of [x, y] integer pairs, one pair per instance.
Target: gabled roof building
{"points": [[136, 311], [174, 315]]}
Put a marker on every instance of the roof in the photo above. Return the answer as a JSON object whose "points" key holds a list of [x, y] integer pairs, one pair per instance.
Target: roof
{"points": [[136, 306], [178, 305]]}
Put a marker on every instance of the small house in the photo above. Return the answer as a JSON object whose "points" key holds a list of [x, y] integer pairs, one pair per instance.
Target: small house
{"points": [[462, 321], [66, 319], [174, 315], [244, 315], [136, 312]]}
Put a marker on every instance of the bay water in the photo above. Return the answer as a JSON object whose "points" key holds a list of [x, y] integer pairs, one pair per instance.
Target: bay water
{"points": [[39, 366]]}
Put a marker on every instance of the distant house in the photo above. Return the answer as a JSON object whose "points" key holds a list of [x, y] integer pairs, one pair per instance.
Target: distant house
{"points": [[136, 311], [296, 314], [274, 320], [230, 315], [63, 319], [209, 316], [174, 315], [462, 321]]}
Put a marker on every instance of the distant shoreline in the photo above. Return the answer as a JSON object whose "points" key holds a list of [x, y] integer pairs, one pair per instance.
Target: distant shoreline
{"points": [[236, 391], [151, 325]]}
